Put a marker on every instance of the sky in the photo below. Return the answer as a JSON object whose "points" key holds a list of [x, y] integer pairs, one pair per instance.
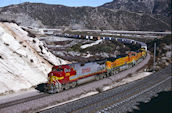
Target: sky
{"points": [[76, 3]]}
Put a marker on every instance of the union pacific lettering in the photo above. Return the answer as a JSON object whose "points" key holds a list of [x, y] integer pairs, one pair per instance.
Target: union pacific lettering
{"points": [[86, 70]]}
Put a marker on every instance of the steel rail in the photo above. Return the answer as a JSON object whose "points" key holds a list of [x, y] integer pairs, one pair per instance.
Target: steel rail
{"points": [[131, 92], [23, 100], [135, 94], [121, 93]]}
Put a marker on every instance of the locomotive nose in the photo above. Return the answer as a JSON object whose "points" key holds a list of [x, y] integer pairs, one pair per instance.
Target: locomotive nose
{"points": [[108, 65], [50, 74]]}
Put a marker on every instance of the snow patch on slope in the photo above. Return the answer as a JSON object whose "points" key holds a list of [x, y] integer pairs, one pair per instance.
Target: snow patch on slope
{"points": [[24, 63]]}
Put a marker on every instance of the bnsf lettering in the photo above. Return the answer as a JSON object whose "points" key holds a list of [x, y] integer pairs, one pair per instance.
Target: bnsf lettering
{"points": [[86, 70]]}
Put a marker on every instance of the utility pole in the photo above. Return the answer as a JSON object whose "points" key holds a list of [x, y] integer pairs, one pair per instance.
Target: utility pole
{"points": [[154, 60]]}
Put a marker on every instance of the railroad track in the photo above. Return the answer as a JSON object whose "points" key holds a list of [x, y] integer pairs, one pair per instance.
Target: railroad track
{"points": [[23, 100], [106, 100]]}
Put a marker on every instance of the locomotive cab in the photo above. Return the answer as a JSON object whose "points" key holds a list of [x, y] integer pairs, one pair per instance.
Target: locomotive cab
{"points": [[56, 75], [61, 74]]}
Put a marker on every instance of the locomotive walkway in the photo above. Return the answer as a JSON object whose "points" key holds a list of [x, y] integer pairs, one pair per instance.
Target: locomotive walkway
{"points": [[43, 100], [120, 99]]}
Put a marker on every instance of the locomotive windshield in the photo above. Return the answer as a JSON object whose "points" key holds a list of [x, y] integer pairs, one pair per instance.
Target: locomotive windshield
{"points": [[58, 69], [53, 69]]}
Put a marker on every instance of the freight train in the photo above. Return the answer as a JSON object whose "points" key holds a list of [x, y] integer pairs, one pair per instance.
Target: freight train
{"points": [[63, 77]]}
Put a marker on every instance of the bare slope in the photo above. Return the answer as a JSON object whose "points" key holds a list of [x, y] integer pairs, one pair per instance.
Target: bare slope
{"points": [[24, 61], [159, 9], [104, 17]]}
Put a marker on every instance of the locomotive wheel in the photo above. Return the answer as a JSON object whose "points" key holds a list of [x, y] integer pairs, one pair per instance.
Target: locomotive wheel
{"points": [[133, 63], [115, 71], [73, 84], [104, 75], [59, 90], [101, 76], [98, 77], [129, 66], [67, 86], [63, 87], [109, 74]]}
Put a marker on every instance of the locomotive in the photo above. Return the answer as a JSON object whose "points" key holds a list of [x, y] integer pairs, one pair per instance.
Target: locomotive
{"points": [[67, 76]]}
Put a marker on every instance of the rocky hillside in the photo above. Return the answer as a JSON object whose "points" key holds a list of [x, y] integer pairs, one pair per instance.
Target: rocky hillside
{"points": [[24, 60], [159, 9], [115, 15]]}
